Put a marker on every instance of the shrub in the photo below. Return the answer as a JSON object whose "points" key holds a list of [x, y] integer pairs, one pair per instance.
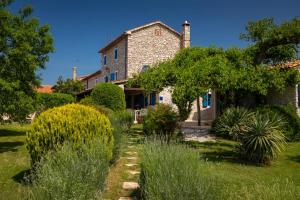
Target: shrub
{"points": [[87, 101], [174, 172], [289, 114], [72, 122], [161, 121], [232, 123], [102, 109], [46, 101], [69, 174], [121, 123], [263, 140], [109, 95], [171, 172]]}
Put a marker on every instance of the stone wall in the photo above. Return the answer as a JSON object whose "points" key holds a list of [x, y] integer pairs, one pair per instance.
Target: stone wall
{"points": [[115, 65], [288, 97], [149, 46]]}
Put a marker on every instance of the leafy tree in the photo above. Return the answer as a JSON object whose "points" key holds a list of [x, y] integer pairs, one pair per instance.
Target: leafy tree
{"points": [[272, 43], [68, 86], [24, 48]]}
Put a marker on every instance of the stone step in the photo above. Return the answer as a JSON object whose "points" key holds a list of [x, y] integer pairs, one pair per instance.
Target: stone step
{"points": [[131, 152], [132, 172], [131, 158], [130, 185], [127, 198], [131, 164]]}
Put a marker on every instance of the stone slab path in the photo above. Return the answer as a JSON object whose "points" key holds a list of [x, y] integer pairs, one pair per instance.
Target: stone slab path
{"points": [[122, 182]]}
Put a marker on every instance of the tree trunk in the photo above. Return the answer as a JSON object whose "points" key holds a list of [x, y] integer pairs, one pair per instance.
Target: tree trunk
{"points": [[198, 111]]}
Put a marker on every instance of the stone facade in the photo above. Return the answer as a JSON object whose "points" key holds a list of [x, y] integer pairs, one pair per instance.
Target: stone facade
{"points": [[149, 46], [115, 65], [288, 97]]}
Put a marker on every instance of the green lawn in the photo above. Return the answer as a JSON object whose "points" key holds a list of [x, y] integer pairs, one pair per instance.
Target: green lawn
{"points": [[227, 164], [14, 161]]}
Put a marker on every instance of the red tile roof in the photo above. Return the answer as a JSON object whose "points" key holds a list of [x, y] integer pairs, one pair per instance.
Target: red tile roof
{"points": [[45, 89], [289, 65]]}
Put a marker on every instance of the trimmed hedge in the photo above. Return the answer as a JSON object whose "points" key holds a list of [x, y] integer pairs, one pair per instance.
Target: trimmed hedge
{"points": [[109, 95], [50, 100], [74, 123]]}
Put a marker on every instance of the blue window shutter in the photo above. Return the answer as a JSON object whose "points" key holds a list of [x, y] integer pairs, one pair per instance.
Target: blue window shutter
{"points": [[104, 62], [153, 98], [205, 100], [209, 100], [112, 76]]}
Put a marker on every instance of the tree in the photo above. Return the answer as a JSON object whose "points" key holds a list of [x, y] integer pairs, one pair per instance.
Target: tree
{"points": [[272, 43], [68, 86], [24, 48]]}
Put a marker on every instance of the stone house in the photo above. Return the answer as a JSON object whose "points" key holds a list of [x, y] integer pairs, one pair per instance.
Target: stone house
{"points": [[291, 95], [134, 51]]}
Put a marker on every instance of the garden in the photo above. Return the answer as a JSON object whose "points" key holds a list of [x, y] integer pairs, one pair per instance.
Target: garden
{"points": [[90, 149]]}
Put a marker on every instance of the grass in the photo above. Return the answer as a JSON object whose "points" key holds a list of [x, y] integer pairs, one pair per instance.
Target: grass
{"points": [[118, 172], [14, 160], [223, 153]]}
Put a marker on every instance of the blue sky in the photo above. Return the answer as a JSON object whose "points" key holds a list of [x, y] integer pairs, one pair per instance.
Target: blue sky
{"points": [[80, 28]]}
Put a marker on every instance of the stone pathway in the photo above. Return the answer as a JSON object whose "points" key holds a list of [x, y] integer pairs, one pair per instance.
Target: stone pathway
{"points": [[131, 158], [197, 134]]}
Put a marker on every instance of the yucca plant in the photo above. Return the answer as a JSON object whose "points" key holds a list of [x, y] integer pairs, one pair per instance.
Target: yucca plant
{"points": [[233, 122], [264, 139]]}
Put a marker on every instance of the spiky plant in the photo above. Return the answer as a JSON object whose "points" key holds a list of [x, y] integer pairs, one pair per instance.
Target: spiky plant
{"points": [[233, 122], [264, 139]]}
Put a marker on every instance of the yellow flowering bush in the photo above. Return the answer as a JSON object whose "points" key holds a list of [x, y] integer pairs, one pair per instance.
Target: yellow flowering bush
{"points": [[73, 123]]}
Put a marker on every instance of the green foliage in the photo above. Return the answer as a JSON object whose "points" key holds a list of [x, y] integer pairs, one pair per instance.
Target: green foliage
{"points": [[20, 104], [263, 140], [161, 121], [232, 123], [24, 48], [50, 100], [121, 123], [176, 172], [88, 101], [109, 95], [70, 174], [272, 43], [288, 113], [74, 123], [171, 172], [68, 86]]}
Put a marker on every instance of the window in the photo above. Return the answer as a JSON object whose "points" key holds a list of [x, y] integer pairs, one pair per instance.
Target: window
{"points": [[116, 75], [112, 76], [153, 98], [106, 79], [96, 80], [116, 54], [104, 59], [206, 100]]}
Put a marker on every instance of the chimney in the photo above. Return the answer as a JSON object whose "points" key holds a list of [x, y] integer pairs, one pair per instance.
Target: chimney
{"points": [[186, 35], [74, 73]]}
